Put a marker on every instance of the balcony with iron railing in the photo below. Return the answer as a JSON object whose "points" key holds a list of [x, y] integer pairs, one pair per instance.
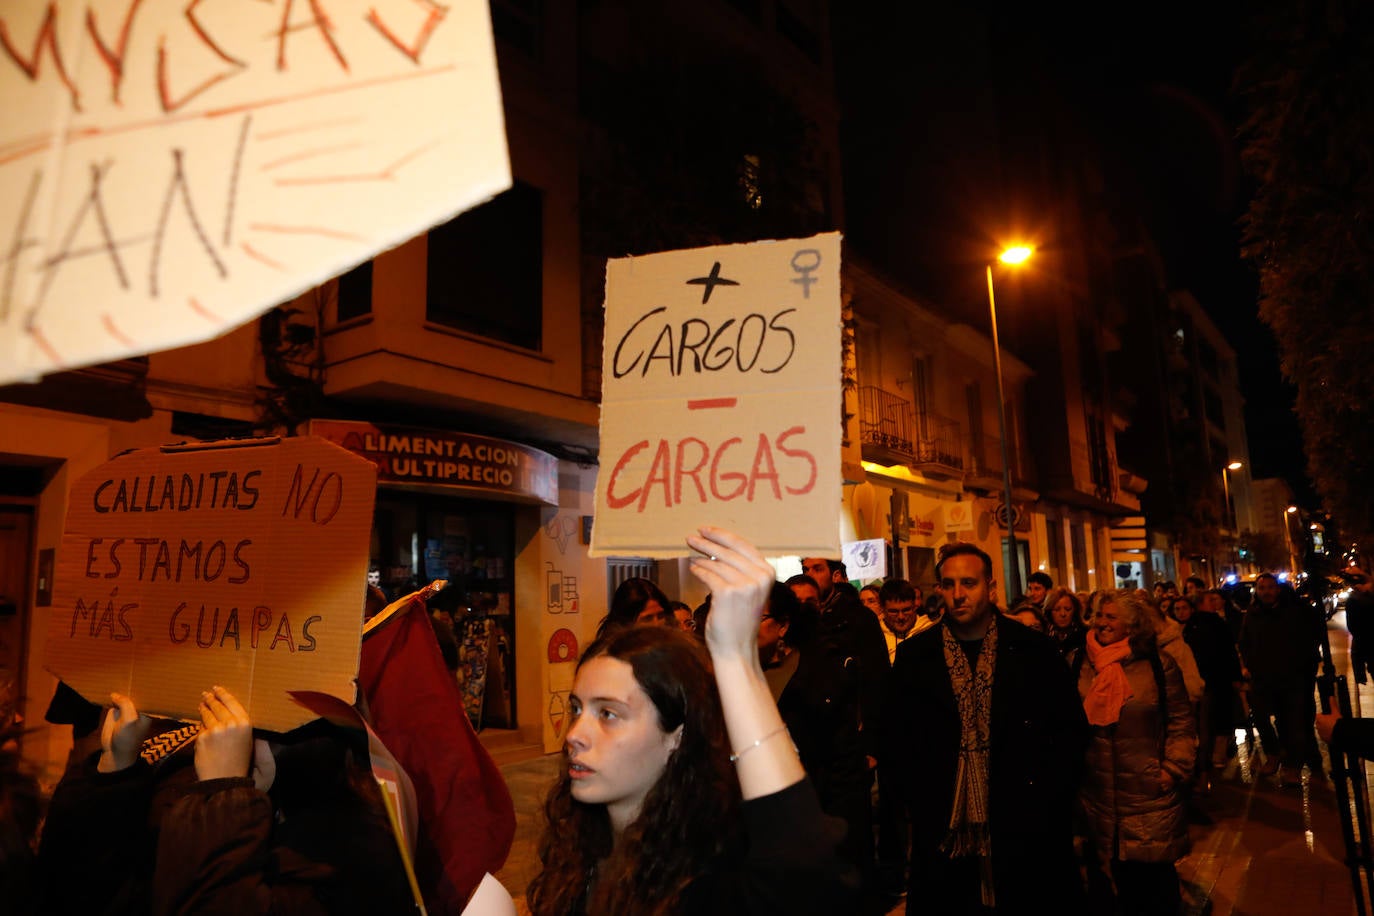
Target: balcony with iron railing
{"points": [[892, 432], [884, 426], [939, 447]]}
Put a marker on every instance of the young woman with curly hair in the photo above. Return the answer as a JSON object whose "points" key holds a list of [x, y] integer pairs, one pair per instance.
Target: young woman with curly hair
{"points": [[653, 813]]}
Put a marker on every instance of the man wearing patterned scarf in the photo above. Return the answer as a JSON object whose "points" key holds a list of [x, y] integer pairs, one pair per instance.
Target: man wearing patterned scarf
{"points": [[989, 750]]}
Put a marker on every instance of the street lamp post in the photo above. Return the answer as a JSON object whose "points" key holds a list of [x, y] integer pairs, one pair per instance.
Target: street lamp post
{"points": [[1014, 255], [1288, 538], [1230, 512]]}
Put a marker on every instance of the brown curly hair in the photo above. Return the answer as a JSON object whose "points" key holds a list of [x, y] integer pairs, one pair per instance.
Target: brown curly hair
{"points": [[689, 817]]}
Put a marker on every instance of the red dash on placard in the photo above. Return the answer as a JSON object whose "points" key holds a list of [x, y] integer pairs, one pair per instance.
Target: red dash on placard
{"points": [[307, 154], [202, 311], [259, 256], [305, 128], [46, 347], [386, 174], [115, 332], [306, 230], [22, 150], [708, 403]]}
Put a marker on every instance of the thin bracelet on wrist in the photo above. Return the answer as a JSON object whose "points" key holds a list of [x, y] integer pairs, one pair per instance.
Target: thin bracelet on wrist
{"points": [[734, 757]]}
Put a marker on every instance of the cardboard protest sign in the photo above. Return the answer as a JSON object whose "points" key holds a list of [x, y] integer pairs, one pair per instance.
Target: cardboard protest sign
{"points": [[169, 170], [720, 399], [237, 564]]}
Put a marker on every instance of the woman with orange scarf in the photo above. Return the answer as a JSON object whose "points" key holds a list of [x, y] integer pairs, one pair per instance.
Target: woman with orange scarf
{"points": [[1140, 755]]}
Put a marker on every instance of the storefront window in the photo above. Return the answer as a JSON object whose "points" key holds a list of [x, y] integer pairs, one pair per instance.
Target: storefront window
{"points": [[418, 538]]}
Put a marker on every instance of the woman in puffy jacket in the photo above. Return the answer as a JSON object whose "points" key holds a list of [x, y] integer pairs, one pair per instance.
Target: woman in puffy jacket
{"points": [[1142, 752]]}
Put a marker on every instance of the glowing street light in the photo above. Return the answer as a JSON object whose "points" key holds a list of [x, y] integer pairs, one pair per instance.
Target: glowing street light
{"points": [[1226, 491], [1017, 254]]}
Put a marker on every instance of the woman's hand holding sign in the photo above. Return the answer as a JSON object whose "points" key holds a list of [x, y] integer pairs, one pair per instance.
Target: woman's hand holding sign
{"points": [[121, 734], [225, 746]]}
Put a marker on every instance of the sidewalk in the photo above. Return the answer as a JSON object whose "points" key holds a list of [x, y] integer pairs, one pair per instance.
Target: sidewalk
{"points": [[1271, 850], [1268, 851]]}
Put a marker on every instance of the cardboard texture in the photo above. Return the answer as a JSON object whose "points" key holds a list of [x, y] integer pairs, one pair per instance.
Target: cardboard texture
{"points": [[721, 399], [169, 170], [230, 563]]}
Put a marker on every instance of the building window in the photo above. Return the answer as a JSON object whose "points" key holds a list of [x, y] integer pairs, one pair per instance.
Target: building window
{"points": [[749, 8], [618, 569], [492, 290], [920, 394], [749, 182], [1080, 557], [978, 444], [1211, 402], [1207, 356], [800, 26], [355, 293], [1099, 460], [1054, 549]]}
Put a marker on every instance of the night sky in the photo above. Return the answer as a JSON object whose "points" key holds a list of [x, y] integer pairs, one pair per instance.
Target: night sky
{"points": [[1154, 91]]}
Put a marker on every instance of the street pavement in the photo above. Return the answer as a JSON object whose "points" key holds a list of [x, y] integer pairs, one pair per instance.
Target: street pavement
{"points": [[1259, 848]]}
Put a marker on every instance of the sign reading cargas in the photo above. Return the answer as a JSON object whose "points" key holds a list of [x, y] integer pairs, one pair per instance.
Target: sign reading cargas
{"points": [[231, 563], [490, 468], [720, 400], [168, 169]]}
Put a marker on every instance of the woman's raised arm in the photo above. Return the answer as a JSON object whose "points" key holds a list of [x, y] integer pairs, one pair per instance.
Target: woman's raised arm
{"points": [[740, 580]]}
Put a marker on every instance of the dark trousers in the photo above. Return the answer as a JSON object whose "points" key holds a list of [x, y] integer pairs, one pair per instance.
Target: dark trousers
{"points": [[1146, 888], [1360, 660], [894, 834], [853, 806], [1294, 710]]}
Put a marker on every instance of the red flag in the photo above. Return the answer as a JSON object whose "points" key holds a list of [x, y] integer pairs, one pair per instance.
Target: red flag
{"points": [[467, 818]]}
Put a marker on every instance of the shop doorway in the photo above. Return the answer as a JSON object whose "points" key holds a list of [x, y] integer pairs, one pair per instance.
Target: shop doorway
{"points": [[470, 544], [16, 545]]}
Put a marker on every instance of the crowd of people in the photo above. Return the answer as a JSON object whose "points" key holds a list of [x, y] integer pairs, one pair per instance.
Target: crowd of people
{"points": [[786, 747], [976, 759]]}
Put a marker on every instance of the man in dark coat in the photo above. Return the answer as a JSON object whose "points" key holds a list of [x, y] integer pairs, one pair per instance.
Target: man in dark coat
{"points": [[1359, 620], [1280, 648], [852, 626], [989, 744]]}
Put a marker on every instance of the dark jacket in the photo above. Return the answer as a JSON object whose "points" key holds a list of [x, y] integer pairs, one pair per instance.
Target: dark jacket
{"points": [[1280, 644], [1213, 649], [1039, 732], [787, 866], [854, 627], [820, 706], [154, 839], [1132, 817]]}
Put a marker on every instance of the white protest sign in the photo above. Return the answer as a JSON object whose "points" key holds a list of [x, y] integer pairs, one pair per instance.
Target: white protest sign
{"points": [[720, 399], [169, 170], [866, 560]]}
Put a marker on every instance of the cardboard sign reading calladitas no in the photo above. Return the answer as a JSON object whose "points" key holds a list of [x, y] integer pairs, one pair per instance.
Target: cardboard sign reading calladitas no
{"points": [[168, 169], [240, 564], [721, 399]]}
